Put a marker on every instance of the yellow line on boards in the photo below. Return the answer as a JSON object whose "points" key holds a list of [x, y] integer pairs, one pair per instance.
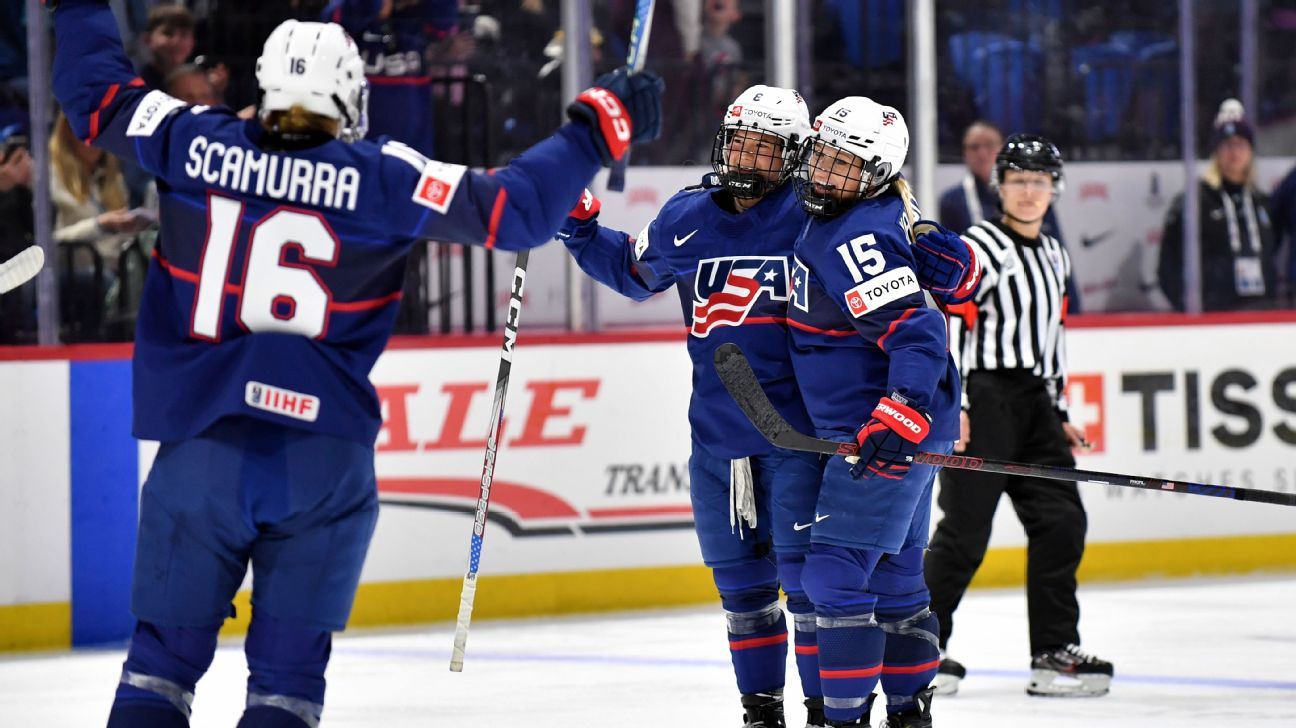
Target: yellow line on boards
{"points": [[35, 626]]}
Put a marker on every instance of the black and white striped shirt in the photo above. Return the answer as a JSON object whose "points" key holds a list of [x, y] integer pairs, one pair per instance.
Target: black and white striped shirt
{"points": [[1017, 312]]}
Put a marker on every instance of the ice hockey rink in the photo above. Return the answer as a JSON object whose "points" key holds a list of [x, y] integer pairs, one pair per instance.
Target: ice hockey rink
{"points": [[1187, 653]]}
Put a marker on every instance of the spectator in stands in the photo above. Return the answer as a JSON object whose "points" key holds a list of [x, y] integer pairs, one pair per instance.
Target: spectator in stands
{"points": [[721, 57], [973, 199], [168, 41], [191, 84], [90, 204], [17, 324], [394, 40], [1236, 236]]}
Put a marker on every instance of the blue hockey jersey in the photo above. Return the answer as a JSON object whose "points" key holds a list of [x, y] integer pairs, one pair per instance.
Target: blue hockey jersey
{"points": [[731, 272], [277, 274], [862, 326]]}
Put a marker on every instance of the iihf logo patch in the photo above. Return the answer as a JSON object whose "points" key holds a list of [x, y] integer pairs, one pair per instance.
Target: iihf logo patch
{"points": [[726, 290]]}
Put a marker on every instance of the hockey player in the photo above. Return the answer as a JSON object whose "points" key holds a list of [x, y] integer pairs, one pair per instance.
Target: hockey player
{"points": [[272, 292], [866, 336], [726, 247]]}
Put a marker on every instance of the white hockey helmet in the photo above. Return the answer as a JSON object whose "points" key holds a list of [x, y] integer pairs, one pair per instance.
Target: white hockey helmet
{"points": [[875, 134], [770, 110], [315, 66]]}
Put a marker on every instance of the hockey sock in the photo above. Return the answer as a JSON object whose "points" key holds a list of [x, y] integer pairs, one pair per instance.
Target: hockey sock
{"points": [[807, 644], [790, 567], [286, 663], [267, 717], [912, 631], [851, 644], [757, 626], [911, 658], [850, 662], [161, 670]]}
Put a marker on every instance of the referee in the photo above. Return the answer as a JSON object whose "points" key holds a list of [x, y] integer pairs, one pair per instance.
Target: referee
{"points": [[1010, 340]]}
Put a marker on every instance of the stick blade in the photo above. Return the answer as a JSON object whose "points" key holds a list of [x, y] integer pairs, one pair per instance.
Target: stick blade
{"points": [[740, 381], [21, 268]]}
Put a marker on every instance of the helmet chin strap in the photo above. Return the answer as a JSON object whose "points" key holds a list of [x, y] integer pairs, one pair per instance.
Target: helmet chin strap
{"points": [[1016, 219]]}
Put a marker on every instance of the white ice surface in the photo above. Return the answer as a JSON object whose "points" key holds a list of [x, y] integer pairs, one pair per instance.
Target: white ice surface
{"points": [[1201, 653]]}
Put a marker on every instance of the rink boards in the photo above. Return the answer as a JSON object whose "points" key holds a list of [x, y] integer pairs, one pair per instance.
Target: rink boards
{"points": [[590, 508]]}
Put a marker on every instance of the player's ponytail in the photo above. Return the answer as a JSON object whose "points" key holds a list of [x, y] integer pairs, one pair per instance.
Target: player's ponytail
{"points": [[901, 187], [297, 124]]}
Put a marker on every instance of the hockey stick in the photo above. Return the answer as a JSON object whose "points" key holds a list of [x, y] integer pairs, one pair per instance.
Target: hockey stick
{"points": [[21, 268], [469, 590], [737, 376], [635, 60]]}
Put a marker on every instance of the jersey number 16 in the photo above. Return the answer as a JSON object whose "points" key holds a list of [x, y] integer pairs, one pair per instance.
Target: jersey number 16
{"points": [[276, 295]]}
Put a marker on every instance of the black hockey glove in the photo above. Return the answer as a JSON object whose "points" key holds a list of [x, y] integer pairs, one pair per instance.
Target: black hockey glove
{"points": [[890, 438], [947, 266], [620, 109]]}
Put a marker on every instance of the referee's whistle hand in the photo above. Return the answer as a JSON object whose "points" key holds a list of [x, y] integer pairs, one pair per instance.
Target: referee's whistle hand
{"points": [[1076, 439]]}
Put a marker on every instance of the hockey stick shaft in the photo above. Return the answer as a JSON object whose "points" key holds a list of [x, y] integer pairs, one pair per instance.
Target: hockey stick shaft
{"points": [[738, 378], [638, 53], [21, 268], [468, 593]]}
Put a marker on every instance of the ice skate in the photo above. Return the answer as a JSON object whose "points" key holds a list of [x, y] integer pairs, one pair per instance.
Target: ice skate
{"points": [[815, 713], [764, 710], [948, 676], [917, 717], [1066, 672], [861, 722]]}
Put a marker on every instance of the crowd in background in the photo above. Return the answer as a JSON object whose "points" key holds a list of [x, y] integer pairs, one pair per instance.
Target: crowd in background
{"points": [[476, 81]]}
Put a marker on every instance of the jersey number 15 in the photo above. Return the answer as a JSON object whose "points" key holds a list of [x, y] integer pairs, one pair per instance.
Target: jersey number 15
{"points": [[276, 295]]}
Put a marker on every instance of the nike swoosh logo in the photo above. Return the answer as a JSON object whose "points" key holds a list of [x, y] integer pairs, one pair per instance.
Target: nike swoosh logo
{"points": [[680, 241], [1089, 241], [804, 526]]}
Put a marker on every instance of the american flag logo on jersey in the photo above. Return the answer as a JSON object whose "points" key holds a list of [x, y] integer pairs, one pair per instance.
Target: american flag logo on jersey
{"points": [[726, 289]]}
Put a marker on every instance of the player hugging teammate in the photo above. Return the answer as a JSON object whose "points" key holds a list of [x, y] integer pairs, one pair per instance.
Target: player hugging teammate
{"points": [[726, 246]]}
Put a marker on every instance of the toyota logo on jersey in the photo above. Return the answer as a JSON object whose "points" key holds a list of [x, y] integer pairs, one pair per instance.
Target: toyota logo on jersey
{"points": [[726, 289]]}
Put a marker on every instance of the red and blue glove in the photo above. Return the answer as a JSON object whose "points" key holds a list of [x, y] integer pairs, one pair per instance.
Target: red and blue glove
{"points": [[621, 109], [888, 441], [585, 213], [947, 266]]}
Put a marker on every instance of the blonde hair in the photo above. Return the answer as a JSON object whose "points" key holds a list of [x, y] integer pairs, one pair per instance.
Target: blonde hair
{"points": [[297, 120], [72, 173], [1213, 177], [902, 188]]}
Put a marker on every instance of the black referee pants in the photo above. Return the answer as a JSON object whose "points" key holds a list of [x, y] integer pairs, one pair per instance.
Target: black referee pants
{"points": [[1012, 418]]}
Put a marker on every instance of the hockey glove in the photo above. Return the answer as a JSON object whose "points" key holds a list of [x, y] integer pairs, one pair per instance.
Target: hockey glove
{"points": [[620, 109], [947, 266], [583, 215], [890, 438]]}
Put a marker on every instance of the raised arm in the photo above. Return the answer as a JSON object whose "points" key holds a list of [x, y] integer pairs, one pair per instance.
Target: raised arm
{"points": [[627, 264]]}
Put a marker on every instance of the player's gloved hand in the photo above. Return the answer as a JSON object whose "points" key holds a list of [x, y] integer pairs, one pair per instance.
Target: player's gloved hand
{"points": [[946, 264], [620, 109], [582, 216], [890, 438]]}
